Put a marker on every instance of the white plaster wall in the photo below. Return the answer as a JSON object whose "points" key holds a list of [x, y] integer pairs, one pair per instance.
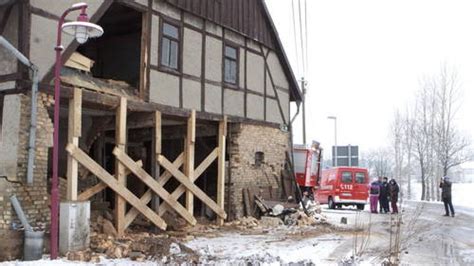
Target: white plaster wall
{"points": [[234, 37], [270, 91], [8, 62], [213, 99], [255, 70], [10, 132], [192, 51], [155, 31], [273, 113], [213, 28], [253, 45], [285, 103], [164, 8], [164, 88], [234, 102], [193, 20], [276, 69], [191, 94], [255, 106], [58, 7], [213, 59], [42, 41], [7, 85]]}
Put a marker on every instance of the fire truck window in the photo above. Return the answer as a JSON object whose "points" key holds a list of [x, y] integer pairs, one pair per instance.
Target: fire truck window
{"points": [[300, 161], [259, 158], [360, 178], [346, 177]]}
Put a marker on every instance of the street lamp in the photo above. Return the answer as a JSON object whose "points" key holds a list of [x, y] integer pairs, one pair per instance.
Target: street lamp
{"points": [[82, 30], [335, 138]]}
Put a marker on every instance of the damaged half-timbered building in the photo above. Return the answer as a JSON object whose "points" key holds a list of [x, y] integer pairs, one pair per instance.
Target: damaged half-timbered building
{"points": [[181, 109]]}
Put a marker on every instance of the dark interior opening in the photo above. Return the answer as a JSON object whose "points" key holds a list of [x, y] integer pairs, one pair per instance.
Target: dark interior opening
{"points": [[117, 52]]}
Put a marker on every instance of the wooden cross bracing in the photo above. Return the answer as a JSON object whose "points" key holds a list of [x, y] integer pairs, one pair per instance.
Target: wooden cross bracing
{"points": [[155, 182]]}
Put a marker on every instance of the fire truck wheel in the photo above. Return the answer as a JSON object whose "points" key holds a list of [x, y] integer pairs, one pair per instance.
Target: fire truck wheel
{"points": [[360, 207], [331, 204]]}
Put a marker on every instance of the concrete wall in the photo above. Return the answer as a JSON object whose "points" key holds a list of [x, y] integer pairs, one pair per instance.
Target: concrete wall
{"points": [[192, 52], [164, 88], [245, 141], [213, 59], [255, 72]]}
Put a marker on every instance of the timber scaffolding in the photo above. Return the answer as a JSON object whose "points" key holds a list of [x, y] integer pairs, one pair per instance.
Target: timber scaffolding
{"points": [[125, 165]]}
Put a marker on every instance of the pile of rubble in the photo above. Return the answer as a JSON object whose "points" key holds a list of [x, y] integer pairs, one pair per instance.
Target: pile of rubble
{"points": [[138, 246], [292, 216]]}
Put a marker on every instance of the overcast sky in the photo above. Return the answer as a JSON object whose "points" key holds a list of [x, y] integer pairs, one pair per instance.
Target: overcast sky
{"points": [[366, 58]]}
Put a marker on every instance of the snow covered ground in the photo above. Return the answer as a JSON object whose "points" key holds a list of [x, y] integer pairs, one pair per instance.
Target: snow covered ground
{"points": [[462, 193]]}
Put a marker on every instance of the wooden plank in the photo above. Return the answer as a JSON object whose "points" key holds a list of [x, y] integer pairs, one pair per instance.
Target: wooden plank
{"points": [[111, 182], [120, 140], [157, 150], [189, 164], [221, 166], [85, 195], [74, 132], [197, 173], [154, 185], [147, 197], [191, 186], [91, 191]]}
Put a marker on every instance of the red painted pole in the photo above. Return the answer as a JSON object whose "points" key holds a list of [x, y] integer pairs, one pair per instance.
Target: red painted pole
{"points": [[57, 99]]}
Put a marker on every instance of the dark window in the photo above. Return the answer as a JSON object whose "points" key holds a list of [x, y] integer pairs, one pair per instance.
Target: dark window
{"points": [[346, 177], [169, 46], [259, 158], [360, 178], [230, 64]]}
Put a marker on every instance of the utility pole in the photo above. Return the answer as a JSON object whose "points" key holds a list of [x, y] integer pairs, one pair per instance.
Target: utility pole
{"points": [[335, 138], [303, 87]]}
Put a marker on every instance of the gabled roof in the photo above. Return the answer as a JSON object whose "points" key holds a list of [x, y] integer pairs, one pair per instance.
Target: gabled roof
{"points": [[248, 17]]}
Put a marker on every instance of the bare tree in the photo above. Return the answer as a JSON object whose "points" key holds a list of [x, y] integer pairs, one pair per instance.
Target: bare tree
{"points": [[398, 150], [379, 162], [407, 140]]}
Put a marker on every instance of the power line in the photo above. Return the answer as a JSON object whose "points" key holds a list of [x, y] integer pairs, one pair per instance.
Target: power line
{"points": [[303, 52], [306, 34], [294, 35]]}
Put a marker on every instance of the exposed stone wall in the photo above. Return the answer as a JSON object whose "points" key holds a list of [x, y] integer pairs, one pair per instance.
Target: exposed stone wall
{"points": [[245, 141], [34, 198]]}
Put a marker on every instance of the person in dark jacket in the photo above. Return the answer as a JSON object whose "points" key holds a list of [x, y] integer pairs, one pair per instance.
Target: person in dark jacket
{"points": [[383, 198], [374, 191], [393, 189], [446, 195]]}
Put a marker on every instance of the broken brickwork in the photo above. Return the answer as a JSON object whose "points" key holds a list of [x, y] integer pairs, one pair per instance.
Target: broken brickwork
{"points": [[246, 142]]}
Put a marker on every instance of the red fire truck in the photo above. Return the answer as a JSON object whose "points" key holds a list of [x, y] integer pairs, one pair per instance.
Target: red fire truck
{"points": [[307, 164], [338, 186]]}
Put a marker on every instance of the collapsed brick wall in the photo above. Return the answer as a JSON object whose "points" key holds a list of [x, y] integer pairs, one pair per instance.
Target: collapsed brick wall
{"points": [[245, 141], [34, 198]]}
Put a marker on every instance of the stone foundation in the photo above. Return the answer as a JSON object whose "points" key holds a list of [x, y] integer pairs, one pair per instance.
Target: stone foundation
{"points": [[246, 141]]}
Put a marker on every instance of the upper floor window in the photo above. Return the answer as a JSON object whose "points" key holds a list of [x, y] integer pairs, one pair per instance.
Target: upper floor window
{"points": [[169, 46], [230, 64]]}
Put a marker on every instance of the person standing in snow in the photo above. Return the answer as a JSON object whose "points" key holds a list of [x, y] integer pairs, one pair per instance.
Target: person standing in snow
{"points": [[383, 198], [446, 195], [393, 189], [374, 191]]}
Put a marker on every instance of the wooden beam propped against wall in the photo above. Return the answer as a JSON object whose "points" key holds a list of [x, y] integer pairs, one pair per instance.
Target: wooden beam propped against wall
{"points": [[120, 140], [73, 134], [189, 163], [221, 166]]}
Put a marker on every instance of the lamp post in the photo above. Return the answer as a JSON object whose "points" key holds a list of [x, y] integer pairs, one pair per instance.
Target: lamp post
{"points": [[82, 30], [335, 138]]}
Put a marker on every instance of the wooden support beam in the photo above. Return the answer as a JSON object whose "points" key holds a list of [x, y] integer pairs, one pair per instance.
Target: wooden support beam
{"points": [[221, 166], [147, 197], [189, 163], [155, 186], [73, 134], [120, 140], [191, 186], [156, 152], [197, 173], [111, 182], [99, 187]]}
